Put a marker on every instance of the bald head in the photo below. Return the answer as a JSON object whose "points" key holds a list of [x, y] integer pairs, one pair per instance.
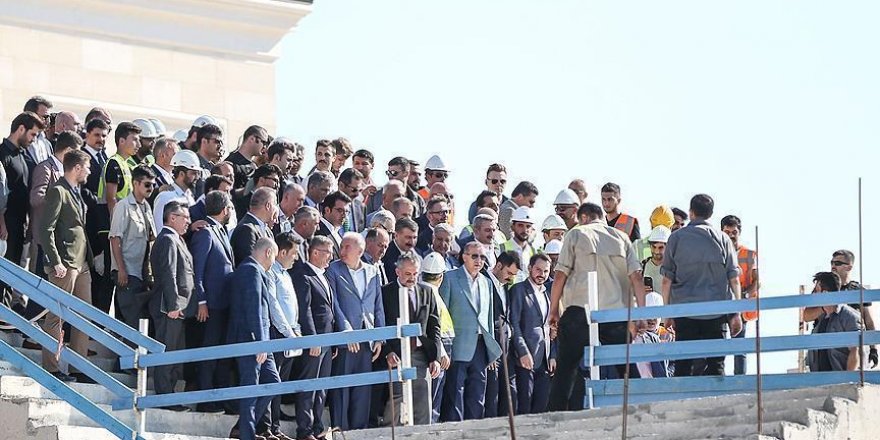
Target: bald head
{"points": [[351, 249], [67, 121]]}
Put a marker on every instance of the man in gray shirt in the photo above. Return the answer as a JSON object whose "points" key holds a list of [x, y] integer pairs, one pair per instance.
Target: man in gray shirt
{"points": [[700, 264], [831, 319]]}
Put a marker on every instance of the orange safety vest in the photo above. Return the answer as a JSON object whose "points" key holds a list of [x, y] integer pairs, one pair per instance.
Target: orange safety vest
{"points": [[746, 259], [625, 223]]}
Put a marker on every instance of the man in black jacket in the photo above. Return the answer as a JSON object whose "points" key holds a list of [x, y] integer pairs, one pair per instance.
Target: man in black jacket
{"points": [[256, 224]]}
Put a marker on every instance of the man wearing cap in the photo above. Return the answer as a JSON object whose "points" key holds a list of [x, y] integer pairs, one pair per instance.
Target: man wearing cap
{"points": [[524, 194], [566, 205], [661, 216], [435, 171], [610, 203], [186, 171], [553, 228], [522, 227], [651, 265], [552, 249], [255, 138]]}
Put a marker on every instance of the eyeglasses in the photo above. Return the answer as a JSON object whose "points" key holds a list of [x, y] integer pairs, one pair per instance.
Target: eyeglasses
{"points": [[265, 142], [148, 183], [497, 181], [838, 263], [217, 141], [444, 211]]}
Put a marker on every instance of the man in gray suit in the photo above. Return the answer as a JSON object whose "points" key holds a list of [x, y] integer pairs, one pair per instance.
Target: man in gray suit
{"points": [[468, 297], [173, 276]]}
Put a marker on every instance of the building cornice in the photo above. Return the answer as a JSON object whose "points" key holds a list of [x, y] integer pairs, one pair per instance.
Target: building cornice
{"points": [[247, 30]]}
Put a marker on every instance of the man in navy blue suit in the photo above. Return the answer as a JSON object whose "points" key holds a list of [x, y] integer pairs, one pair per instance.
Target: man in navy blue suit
{"points": [[315, 299], [357, 305], [250, 322], [257, 223], [212, 262], [535, 354]]}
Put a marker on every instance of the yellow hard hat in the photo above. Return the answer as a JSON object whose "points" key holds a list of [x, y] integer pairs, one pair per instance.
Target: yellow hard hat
{"points": [[662, 216]]}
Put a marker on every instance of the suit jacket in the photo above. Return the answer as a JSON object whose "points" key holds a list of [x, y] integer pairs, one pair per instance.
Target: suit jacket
{"points": [[531, 328], [424, 312], [324, 230], [315, 302], [64, 234], [351, 312], [45, 174], [245, 236], [172, 274], [212, 262], [358, 214], [198, 212], [96, 170], [247, 297], [500, 311], [425, 240], [389, 261], [468, 320], [505, 212]]}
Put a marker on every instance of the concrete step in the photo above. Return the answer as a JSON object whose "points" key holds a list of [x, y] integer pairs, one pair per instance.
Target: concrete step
{"points": [[129, 380], [64, 432], [25, 387]]}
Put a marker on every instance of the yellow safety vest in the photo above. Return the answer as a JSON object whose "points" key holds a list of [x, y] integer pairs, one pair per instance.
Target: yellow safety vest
{"points": [[123, 192]]}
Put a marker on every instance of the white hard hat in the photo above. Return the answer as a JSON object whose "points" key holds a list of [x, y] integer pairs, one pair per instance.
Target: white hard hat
{"points": [[158, 125], [660, 234], [148, 130], [653, 299], [180, 135], [522, 214], [204, 120], [553, 247], [186, 159], [433, 263], [436, 164], [553, 222], [567, 197]]}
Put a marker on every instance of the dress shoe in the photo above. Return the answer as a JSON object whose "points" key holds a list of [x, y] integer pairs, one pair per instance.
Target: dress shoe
{"points": [[176, 408], [282, 436], [82, 378], [267, 435], [63, 377]]}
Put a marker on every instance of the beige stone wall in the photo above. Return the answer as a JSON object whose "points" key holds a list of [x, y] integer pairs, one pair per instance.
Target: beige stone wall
{"points": [[132, 81]]}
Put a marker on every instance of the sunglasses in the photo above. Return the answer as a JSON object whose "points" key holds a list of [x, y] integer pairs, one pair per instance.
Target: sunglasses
{"points": [[391, 173], [497, 181], [440, 174], [476, 256], [837, 263]]}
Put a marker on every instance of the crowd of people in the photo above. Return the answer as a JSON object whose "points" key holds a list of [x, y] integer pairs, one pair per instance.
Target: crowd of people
{"points": [[251, 247]]}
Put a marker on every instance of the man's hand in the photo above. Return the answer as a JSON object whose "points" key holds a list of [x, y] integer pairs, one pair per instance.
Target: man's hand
{"points": [[393, 360], [315, 351], [202, 314], [526, 361], [736, 325], [201, 224], [872, 357], [669, 323], [60, 270], [175, 314], [369, 190], [551, 366], [493, 366], [121, 277], [262, 358], [553, 320], [434, 369], [377, 350], [354, 347], [445, 362]]}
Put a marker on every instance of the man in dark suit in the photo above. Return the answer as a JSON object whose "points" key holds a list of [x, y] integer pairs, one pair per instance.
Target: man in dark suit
{"points": [[535, 353], [44, 175], [437, 212], [256, 224], [212, 263], [67, 250], [212, 183], [441, 243], [334, 210], [173, 268], [351, 184], [248, 297], [426, 349], [501, 275], [405, 234], [357, 305], [315, 299]]}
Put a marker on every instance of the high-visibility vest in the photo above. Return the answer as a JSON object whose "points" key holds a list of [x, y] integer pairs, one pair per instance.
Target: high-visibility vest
{"points": [[625, 223], [123, 192], [148, 161], [447, 327], [746, 260]]}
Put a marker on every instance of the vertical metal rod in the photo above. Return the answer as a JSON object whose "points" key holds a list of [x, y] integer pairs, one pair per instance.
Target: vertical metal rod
{"points": [[507, 385], [143, 328], [759, 380], [391, 399], [629, 308], [861, 296], [802, 329]]}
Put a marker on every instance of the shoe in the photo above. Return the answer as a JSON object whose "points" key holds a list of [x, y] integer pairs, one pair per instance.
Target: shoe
{"points": [[63, 377], [286, 418], [268, 436], [82, 378], [176, 408], [233, 433], [282, 436]]}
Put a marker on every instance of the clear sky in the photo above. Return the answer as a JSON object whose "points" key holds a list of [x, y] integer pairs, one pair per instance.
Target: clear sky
{"points": [[770, 107]]}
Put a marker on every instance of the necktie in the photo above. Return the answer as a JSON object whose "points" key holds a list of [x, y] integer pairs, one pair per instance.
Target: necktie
{"points": [[346, 225], [102, 158]]}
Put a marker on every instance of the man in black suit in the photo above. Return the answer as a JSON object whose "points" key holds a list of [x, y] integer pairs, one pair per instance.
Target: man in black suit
{"points": [[426, 348], [501, 274], [334, 210], [437, 212], [315, 317], [256, 224], [405, 234], [173, 277]]}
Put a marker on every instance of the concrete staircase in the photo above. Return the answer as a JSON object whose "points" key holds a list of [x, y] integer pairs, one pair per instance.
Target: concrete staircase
{"points": [[28, 411]]}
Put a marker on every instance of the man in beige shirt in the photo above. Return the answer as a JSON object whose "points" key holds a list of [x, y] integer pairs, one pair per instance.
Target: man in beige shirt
{"points": [[593, 247]]}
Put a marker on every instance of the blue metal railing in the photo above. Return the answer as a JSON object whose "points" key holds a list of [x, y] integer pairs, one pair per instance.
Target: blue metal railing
{"points": [[150, 353], [610, 392]]}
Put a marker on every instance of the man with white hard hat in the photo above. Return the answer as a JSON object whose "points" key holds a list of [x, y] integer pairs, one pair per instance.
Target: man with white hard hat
{"points": [[651, 265], [186, 171], [201, 121], [566, 204], [553, 228], [552, 248], [435, 171], [148, 137], [522, 226]]}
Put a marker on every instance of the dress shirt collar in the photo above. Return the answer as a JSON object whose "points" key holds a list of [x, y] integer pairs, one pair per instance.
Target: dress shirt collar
{"points": [[58, 165], [317, 269]]}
